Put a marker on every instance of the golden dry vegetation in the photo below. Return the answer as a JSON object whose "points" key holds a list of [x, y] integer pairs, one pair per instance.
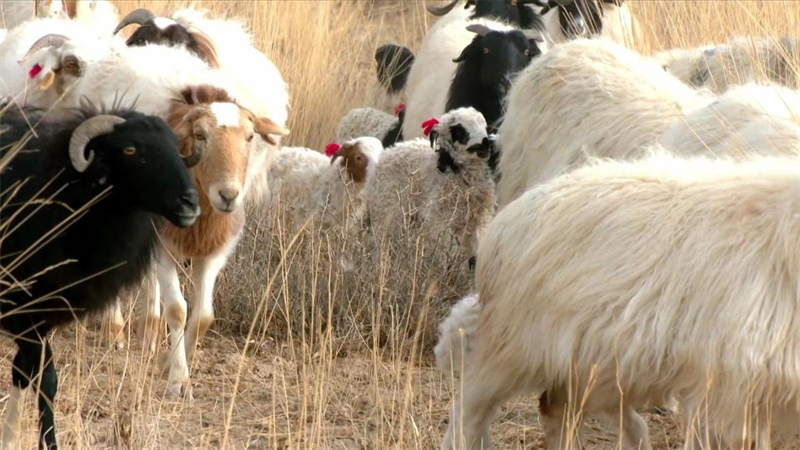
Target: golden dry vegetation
{"points": [[301, 355]]}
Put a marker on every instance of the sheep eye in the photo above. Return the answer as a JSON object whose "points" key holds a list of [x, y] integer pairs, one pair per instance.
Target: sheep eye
{"points": [[527, 52], [200, 137], [139, 42], [485, 50], [129, 151], [250, 138]]}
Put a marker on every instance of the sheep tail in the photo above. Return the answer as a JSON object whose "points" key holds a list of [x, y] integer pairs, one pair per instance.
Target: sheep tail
{"points": [[457, 334]]}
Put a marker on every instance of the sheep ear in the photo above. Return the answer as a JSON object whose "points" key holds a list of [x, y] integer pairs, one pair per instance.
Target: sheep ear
{"points": [[264, 127], [479, 29], [433, 135]]}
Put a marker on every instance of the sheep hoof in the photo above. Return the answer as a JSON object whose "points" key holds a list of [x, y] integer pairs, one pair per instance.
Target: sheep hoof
{"points": [[179, 386]]}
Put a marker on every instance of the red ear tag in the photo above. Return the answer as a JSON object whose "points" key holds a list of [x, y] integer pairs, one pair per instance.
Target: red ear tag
{"points": [[34, 70], [331, 149]]}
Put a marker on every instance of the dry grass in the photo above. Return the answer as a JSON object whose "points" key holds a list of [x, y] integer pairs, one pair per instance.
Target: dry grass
{"points": [[321, 358]]}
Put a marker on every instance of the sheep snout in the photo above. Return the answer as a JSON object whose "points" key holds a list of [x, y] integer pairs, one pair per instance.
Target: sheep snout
{"points": [[225, 197]]}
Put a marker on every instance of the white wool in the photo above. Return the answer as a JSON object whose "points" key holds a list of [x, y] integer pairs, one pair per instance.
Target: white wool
{"points": [[584, 94], [719, 128], [292, 178], [163, 22], [456, 333], [657, 277]]}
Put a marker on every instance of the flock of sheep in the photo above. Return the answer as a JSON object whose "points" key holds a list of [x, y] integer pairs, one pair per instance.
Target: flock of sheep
{"points": [[633, 221]]}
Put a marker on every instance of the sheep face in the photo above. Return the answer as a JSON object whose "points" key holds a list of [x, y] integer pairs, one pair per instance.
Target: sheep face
{"points": [[165, 31], [57, 61], [139, 158], [217, 135], [358, 158], [461, 138]]}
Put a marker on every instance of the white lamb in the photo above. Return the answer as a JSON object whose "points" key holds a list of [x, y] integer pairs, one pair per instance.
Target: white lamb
{"points": [[449, 190], [622, 284], [584, 94], [719, 128]]}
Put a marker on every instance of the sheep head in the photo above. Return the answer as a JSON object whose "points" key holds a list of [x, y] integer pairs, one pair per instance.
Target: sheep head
{"points": [[165, 31], [461, 138], [358, 158], [216, 137], [57, 61], [580, 18]]}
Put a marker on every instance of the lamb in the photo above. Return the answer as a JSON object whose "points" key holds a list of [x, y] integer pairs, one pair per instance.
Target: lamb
{"points": [[372, 122], [624, 237], [447, 190], [133, 173], [306, 183], [453, 70], [571, 19], [724, 127], [585, 95], [216, 126]]}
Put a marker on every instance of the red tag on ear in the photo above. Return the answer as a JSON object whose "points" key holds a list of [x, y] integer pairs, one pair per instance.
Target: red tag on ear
{"points": [[399, 108], [428, 125], [331, 149], [35, 70]]}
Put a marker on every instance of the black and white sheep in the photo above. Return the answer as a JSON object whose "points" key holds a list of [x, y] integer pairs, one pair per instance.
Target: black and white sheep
{"points": [[517, 13], [103, 176], [440, 185], [467, 63], [597, 289], [360, 122], [571, 19]]}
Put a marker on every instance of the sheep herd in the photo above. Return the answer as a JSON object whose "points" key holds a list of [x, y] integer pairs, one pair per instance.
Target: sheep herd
{"points": [[632, 221]]}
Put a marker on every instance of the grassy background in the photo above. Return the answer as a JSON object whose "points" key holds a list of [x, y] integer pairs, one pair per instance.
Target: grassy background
{"points": [[320, 358]]}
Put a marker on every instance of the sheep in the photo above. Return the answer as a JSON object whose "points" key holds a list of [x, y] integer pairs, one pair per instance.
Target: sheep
{"points": [[453, 70], [748, 59], [624, 238], [393, 62], [447, 190], [724, 127], [587, 94], [226, 44], [684, 63], [570, 19], [42, 58], [215, 125], [515, 13], [133, 173], [307, 183], [99, 15], [372, 122]]}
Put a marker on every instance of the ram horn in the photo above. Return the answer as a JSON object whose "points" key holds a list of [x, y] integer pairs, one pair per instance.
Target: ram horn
{"points": [[48, 40], [442, 10], [88, 130], [479, 29], [138, 16]]}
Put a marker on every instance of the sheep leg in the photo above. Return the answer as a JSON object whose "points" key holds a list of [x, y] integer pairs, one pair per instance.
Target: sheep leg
{"points": [[205, 274], [178, 380], [554, 412], [27, 363], [634, 433], [150, 319], [115, 323], [485, 386]]}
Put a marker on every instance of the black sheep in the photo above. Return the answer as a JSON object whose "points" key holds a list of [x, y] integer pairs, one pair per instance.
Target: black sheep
{"points": [[93, 237], [393, 65], [485, 70]]}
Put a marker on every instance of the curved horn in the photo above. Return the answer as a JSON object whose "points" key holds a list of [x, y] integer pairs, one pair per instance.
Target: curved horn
{"points": [[48, 40], [442, 10], [138, 16], [88, 130], [478, 28]]}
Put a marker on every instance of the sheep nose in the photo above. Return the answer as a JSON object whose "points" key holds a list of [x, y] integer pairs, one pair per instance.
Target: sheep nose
{"points": [[228, 195], [190, 199]]}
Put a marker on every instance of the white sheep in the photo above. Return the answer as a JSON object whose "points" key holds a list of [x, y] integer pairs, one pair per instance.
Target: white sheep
{"points": [[569, 19], [622, 284], [685, 63], [41, 58], [585, 93], [372, 122], [721, 128], [444, 192], [433, 71]]}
